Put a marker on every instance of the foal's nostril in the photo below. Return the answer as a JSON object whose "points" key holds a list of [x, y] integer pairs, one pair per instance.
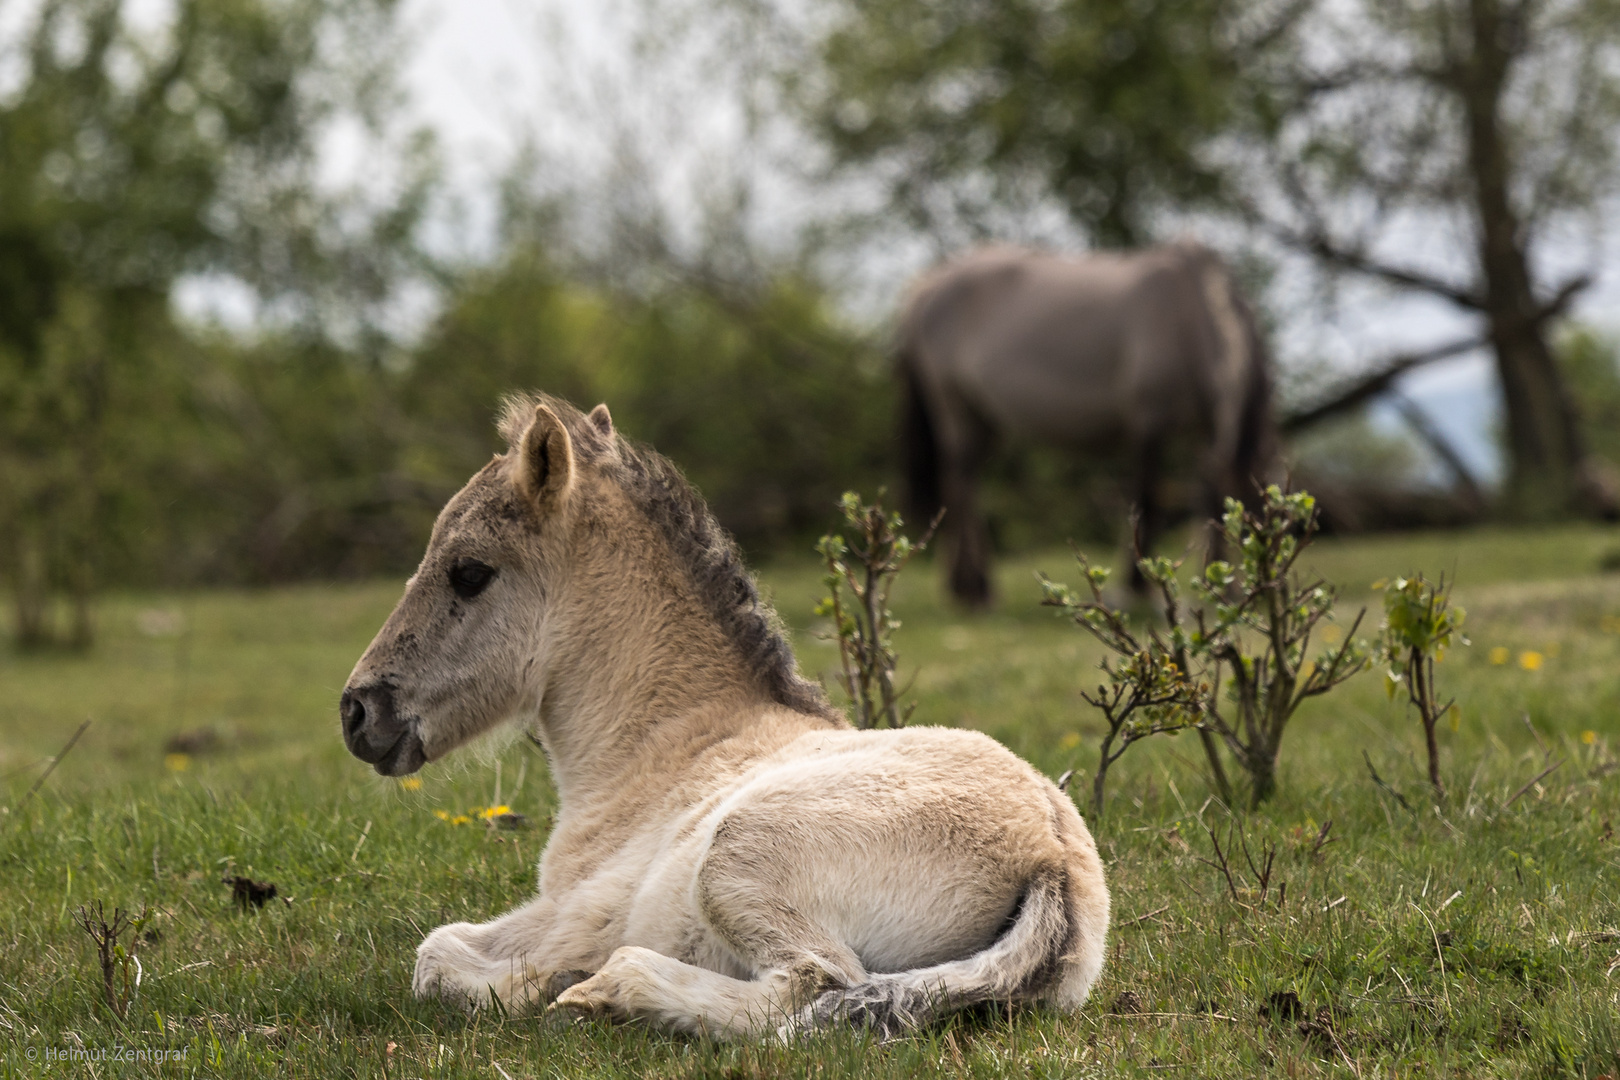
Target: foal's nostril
{"points": [[353, 711]]}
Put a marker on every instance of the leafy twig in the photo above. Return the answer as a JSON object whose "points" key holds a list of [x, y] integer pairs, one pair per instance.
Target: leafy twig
{"points": [[865, 567], [117, 981]]}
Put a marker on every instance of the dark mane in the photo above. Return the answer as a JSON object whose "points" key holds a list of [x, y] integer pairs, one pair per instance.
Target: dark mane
{"points": [[699, 543]]}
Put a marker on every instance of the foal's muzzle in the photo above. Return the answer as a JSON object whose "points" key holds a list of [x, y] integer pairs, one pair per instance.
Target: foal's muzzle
{"points": [[377, 734]]}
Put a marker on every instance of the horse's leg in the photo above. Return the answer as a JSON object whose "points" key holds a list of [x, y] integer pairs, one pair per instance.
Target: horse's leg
{"points": [[520, 958], [795, 960], [639, 983], [1146, 516], [970, 535]]}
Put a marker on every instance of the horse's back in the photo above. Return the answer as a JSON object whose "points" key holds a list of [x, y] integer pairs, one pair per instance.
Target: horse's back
{"points": [[1068, 349]]}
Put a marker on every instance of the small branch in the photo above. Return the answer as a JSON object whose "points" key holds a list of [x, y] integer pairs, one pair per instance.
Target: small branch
{"points": [[1144, 918], [1546, 753], [1223, 865], [1561, 299], [1379, 780], [1540, 776], [55, 761], [1322, 839], [1425, 429], [1318, 243]]}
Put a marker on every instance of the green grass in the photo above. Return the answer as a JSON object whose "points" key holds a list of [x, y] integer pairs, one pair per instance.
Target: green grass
{"points": [[1401, 976]]}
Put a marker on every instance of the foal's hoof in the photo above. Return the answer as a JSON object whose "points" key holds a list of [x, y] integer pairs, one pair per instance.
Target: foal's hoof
{"points": [[582, 1001]]}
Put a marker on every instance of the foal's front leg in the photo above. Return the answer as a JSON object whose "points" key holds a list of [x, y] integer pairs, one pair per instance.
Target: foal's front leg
{"points": [[514, 957]]}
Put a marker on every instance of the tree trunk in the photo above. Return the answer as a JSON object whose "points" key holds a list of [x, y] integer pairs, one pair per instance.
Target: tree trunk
{"points": [[30, 591], [1262, 774], [1549, 469]]}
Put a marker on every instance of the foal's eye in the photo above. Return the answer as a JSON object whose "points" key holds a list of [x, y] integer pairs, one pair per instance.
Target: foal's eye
{"points": [[469, 577]]}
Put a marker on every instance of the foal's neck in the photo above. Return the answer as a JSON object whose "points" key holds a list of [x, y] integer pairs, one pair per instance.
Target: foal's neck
{"points": [[641, 680]]}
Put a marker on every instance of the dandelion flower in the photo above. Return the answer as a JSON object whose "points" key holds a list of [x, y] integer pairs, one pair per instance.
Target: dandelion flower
{"points": [[1499, 656], [411, 783], [494, 811], [1588, 737], [1070, 741], [1530, 660], [177, 762], [460, 819], [442, 815]]}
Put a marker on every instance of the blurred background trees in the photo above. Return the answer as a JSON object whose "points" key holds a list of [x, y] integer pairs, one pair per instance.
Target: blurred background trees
{"points": [[335, 381], [1446, 148], [130, 158]]}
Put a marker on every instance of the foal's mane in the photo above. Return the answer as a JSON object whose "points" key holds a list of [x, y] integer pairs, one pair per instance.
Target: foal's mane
{"points": [[698, 541]]}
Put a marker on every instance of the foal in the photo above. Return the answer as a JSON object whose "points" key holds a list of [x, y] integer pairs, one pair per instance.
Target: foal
{"points": [[729, 855]]}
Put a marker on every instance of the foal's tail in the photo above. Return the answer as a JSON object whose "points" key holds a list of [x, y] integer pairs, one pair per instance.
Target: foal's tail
{"points": [[920, 453], [1053, 950]]}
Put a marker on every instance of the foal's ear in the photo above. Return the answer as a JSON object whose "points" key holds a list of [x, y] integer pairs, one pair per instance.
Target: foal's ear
{"points": [[601, 420], [545, 460]]}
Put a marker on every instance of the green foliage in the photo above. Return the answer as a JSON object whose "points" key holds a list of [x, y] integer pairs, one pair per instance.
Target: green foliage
{"points": [[131, 158], [1148, 687], [866, 567], [1259, 635], [1103, 104], [1420, 624], [1236, 668], [765, 398], [1518, 985], [1590, 361]]}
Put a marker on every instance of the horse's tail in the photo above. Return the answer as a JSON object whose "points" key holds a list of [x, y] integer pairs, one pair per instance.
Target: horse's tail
{"points": [[1052, 949], [918, 448]]}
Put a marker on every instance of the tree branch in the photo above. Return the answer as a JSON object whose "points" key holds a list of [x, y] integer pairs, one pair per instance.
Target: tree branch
{"points": [[1466, 484], [1566, 294], [1319, 244], [1367, 387]]}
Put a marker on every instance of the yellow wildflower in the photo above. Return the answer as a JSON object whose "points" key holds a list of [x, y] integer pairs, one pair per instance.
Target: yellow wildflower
{"points": [[1530, 660], [1070, 741], [1499, 656], [1588, 737], [177, 762], [442, 815], [494, 811], [411, 783], [460, 819]]}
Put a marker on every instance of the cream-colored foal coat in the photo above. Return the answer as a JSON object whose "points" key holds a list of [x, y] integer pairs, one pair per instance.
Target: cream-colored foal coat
{"points": [[729, 855]]}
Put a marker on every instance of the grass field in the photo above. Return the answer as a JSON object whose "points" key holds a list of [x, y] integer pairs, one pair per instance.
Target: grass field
{"points": [[1474, 939]]}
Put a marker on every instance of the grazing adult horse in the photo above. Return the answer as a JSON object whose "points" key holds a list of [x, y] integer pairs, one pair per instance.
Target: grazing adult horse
{"points": [[1106, 352], [729, 855]]}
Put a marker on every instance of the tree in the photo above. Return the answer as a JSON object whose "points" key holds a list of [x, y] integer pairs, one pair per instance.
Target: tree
{"points": [[1435, 146], [1101, 105], [1379, 131], [131, 158]]}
